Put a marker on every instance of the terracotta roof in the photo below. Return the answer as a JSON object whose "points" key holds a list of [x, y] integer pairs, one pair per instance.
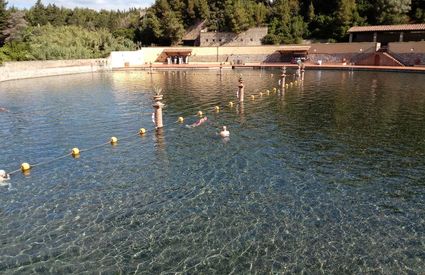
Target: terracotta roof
{"points": [[293, 49], [177, 51], [383, 28]]}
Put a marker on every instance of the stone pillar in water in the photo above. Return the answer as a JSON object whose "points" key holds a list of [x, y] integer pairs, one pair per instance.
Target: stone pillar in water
{"points": [[302, 71], [158, 105], [241, 90], [282, 79]]}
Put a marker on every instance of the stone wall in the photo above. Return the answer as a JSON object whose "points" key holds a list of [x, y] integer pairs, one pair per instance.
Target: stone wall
{"points": [[327, 52], [251, 37], [31, 69], [409, 53]]}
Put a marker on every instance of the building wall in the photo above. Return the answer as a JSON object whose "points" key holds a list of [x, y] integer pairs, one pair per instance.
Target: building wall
{"points": [[251, 37], [31, 69], [327, 52], [410, 53], [126, 59]]}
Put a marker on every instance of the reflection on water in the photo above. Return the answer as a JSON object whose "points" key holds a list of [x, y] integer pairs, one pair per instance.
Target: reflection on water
{"points": [[326, 178]]}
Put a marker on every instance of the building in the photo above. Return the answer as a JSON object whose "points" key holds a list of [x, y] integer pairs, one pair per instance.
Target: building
{"points": [[192, 36], [385, 34], [251, 37]]}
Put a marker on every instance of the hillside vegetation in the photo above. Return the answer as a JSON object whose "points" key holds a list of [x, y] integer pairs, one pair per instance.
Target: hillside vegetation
{"points": [[51, 32]]}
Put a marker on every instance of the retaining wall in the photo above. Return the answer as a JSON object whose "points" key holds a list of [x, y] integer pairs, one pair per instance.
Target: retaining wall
{"points": [[31, 69], [327, 52], [409, 53]]}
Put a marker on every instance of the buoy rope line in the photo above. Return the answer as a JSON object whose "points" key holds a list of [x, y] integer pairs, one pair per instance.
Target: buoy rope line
{"points": [[75, 152]]}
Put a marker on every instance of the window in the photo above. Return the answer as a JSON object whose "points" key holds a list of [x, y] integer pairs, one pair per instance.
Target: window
{"points": [[252, 39], [206, 40], [213, 40], [241, 39]]}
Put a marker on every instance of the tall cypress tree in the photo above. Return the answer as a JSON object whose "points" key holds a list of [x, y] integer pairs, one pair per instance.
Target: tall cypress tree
{"points": [[4, 15]]}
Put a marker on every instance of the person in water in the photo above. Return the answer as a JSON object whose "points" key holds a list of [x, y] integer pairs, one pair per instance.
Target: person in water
{"points": [[199, 122], [4, 176], [3, 110], [224, 132]]}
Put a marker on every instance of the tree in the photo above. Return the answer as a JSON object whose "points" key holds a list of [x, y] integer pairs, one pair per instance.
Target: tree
{"points": [[72, 42], [236, 16], [260, 14], [37, 15], [15, 28], [310, 13], [392, 11], [3, 19], [345, 17]]}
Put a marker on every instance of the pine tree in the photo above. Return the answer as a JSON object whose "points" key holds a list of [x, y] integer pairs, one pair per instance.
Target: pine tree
{"points": [[345, 17], [16, 25], [4, 15], [393, 11]]}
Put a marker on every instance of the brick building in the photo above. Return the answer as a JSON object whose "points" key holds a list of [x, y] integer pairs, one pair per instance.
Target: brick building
{"points": [[385, 34]]}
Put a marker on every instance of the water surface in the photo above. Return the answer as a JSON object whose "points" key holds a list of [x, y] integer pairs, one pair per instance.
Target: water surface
{"points": [[328, 178]]}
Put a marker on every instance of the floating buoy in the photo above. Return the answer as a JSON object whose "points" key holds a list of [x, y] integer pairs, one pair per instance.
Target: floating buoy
{"points": [[217, 108], [180, 119], [274, 90], [252, 97], [75, 152], [268, 92], [296, 82], [290, 83], [261, 93], [287, 85], [142, 131], [231, 104], [200, 113], [25, 167], [114, 140]]}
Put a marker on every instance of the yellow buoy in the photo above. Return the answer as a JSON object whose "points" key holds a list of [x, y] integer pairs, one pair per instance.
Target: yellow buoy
{"points": [[217, 108], [142, 131], [200, 113], [25, 167], [75, 152], [290, 83], [274, 90], [268, 92], [261, 93], [231, 104], [252, 97], [114, 140], [180, 119], [287, 85], [296, 82]]}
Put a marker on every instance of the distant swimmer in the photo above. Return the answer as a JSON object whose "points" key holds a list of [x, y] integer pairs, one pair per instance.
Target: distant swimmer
{"points": [[3, 110], [199, 122], [224, 133], [4, 176]]}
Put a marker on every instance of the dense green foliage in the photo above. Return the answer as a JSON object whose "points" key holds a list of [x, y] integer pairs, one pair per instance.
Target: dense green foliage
{"points": [[51, 32], [289, 21]]}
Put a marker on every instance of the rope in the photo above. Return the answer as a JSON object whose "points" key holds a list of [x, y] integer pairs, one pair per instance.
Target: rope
{"points": [[214, 122]]}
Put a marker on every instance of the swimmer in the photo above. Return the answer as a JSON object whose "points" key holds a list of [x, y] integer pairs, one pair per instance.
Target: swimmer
{"points": [[4, 176], [224, 133], [199, 122], [3, 110]]}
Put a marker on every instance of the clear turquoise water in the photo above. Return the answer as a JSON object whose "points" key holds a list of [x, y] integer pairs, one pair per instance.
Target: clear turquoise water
{"points": [[329, 178]]}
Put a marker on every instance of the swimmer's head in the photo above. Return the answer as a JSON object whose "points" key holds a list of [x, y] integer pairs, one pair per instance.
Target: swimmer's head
{"points": [[3, 174], [224, 128]]}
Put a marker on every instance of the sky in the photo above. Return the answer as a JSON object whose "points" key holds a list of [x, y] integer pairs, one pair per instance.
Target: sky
{"points": [[92, 4]]}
